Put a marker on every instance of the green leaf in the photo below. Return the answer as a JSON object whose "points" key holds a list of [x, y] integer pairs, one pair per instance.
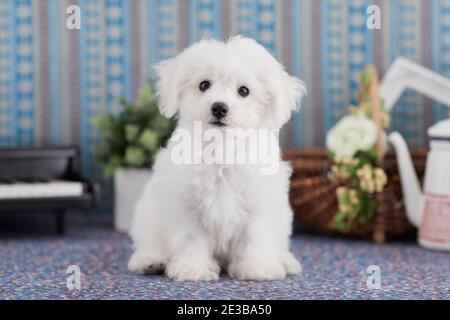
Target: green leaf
{"points": [[112, 165], [367, 209], [338, 221], [103, 123], [135, 156], [145, 97], [149, 140], [131, 132], [344, 197], [368, 156], [342, 222]]}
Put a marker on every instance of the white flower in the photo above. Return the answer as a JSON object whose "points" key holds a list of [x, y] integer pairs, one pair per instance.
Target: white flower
{"points": [[350, 135]]}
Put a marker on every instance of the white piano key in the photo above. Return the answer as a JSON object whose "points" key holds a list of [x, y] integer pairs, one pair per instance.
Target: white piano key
{"points": [[41, 190]]}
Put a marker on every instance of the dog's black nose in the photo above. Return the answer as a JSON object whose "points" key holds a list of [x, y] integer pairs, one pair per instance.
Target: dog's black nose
{"points": [[219, 110]]}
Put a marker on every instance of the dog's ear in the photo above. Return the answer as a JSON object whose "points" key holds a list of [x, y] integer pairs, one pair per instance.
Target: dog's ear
{"points": [[286, 93], [167, 86]]}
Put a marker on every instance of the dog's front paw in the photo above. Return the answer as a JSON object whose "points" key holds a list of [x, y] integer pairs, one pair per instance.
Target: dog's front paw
{"points": [[291, 264], [257, 269], [192, 270], [145, 263]]}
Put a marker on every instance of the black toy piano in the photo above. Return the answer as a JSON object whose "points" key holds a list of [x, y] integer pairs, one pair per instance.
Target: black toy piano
{"points": [[45, 179]]}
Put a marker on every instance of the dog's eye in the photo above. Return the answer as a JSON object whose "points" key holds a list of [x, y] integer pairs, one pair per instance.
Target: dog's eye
{"points": [[204, 85], [243, 91]]}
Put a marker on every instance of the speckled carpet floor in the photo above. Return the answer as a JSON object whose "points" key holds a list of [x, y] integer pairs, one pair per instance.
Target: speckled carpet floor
{"points": [[34, 267]]}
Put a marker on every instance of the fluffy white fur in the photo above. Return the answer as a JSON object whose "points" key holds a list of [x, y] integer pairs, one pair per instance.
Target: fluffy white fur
{"points": [[194, 220]]}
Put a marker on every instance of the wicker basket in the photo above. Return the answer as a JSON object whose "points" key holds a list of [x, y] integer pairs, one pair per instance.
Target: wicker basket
{"points": [[314, 202], [313, 187]]}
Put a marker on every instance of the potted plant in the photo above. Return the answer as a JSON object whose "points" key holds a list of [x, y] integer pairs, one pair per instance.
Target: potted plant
{"points": [[130, 140]]}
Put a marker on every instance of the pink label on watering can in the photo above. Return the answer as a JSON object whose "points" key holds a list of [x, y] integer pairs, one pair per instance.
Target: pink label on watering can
{"points": [[435, 225]]}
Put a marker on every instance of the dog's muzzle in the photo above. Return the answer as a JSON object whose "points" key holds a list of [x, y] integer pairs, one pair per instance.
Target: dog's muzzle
{"points": [[219, 110]]}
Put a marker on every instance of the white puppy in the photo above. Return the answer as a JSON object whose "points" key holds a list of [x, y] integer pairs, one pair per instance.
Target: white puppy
{"points": [[194, 219]]}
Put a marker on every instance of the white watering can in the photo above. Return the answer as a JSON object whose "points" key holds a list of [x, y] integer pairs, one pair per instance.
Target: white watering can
{"points": [[429, 210]]}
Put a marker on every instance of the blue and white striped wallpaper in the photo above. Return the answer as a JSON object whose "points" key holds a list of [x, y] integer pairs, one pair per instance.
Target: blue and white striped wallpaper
{"points": [[53, 80]]}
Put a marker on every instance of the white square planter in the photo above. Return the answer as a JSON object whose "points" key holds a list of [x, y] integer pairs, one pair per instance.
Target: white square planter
{"points": [[128, 186]]}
